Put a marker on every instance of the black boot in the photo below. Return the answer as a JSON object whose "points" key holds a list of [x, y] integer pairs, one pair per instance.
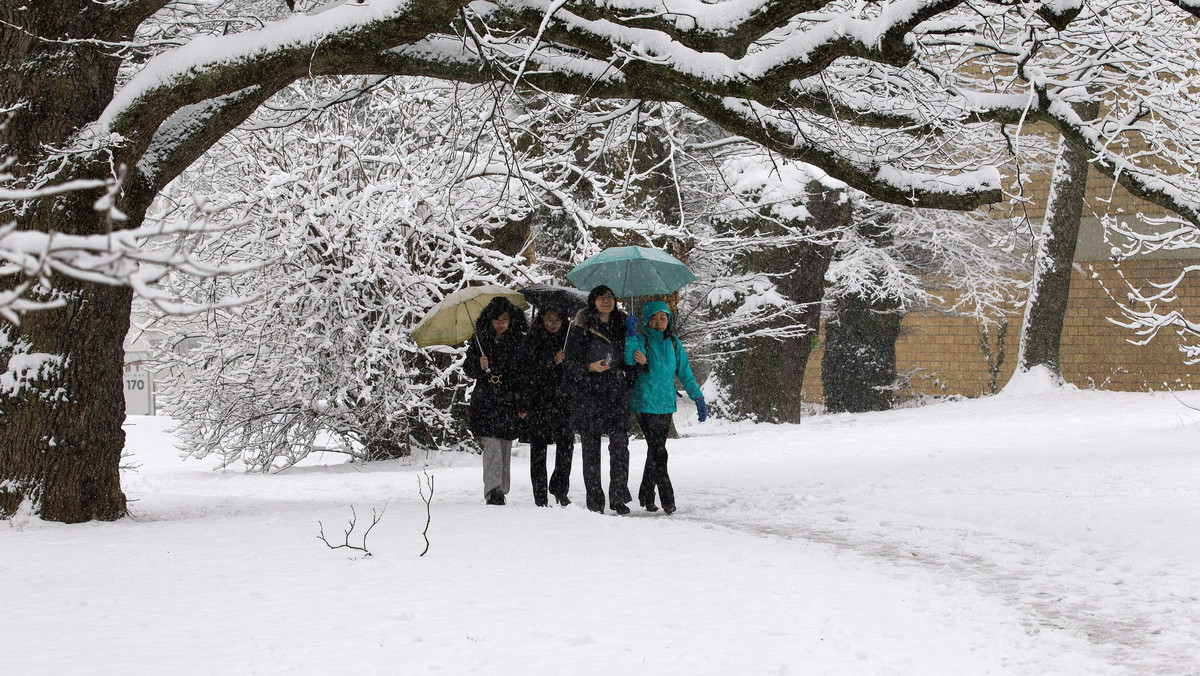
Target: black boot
{"points": [[620, 508], [595, 501], [562, 499], [495, 497]]}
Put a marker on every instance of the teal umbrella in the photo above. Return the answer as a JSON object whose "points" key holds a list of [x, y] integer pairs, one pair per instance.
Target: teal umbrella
{"points": [[632, 271]]}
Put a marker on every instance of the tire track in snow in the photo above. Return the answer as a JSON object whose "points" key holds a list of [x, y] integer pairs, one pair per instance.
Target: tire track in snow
{"points": [[1143, 618]]}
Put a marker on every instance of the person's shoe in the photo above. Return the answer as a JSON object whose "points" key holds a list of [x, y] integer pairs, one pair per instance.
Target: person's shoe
{"points": [[595, 502], [541, 502], [562, 499], [668, 509], [620, 508], [648, 504], [495, 497]]}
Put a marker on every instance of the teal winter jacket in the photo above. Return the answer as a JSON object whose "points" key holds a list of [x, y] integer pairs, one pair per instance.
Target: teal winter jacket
{"points": [[654, 391]]}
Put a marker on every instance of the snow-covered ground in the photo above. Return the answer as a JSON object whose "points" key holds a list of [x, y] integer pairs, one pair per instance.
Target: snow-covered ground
{"points": [[1038, 532]]}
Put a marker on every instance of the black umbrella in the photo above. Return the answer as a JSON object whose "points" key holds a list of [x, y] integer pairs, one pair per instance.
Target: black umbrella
{"points": [[564, 300]]}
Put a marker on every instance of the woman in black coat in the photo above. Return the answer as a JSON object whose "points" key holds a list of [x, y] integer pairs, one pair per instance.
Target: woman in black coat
{"points": [[599, 382], [549, 406], [494, 360]]}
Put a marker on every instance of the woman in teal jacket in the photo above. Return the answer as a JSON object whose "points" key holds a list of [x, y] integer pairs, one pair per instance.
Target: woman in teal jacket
{"points": [[652, 398]]}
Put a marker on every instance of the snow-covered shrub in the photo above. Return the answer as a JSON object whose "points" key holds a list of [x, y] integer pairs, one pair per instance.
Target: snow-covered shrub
{"points": [[365, 215]]}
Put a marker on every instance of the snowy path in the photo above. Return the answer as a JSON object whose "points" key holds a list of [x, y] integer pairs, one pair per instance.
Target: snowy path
{"points": [[1146, 618], [1057, 533], [979, 519]]}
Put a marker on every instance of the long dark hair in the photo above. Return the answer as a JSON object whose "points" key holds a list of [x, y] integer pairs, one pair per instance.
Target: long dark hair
{"points": [[592, 316], [518, 325], [596, 293], [539, 329]]}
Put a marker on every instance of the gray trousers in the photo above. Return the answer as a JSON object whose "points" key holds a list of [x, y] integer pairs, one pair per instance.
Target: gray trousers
{"points": [[497, 458]]}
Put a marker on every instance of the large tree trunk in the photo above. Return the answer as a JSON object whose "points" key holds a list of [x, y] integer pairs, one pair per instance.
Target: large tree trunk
{"points": [[60, 421], [1041, 335], [858, 366], [765, 381], [60, 436]]}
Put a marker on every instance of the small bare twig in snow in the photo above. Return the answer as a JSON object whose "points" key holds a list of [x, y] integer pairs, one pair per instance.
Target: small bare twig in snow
{"points": [[376, 516], [428, 480]]}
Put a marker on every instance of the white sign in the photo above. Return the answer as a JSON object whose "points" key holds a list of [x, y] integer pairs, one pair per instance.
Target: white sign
{"points": [[139, 392]]}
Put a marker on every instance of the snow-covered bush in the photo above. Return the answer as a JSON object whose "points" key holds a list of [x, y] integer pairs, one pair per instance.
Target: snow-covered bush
{"points": [[365, 215]]}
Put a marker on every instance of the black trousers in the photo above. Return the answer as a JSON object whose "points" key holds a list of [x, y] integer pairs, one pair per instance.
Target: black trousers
{"points": [[656, 426], [618, 470], [560, 480]]}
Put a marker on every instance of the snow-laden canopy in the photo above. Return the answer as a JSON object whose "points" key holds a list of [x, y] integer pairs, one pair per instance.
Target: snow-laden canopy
{"points": [[904, 99]]}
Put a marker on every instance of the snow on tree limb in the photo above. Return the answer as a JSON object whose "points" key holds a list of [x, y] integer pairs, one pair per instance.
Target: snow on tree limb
{"points": [[702, 54], [689, 51], [191, 130], [119, 258], [762, 74], [14, 195], [1190, 6], [212, 66]]}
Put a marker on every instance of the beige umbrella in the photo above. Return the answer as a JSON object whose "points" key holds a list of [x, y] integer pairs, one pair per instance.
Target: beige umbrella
{"points": [[452, 321]]}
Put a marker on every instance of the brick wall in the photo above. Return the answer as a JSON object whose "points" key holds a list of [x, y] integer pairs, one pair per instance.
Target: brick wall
{"points": [[942, 353], [1103, 195]]}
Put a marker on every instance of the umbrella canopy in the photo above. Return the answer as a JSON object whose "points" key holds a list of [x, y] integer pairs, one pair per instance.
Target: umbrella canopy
{"points": [[562, 299], [452, 321], [632, 271]]}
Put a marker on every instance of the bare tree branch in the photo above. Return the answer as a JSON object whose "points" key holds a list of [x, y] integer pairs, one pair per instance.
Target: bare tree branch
{"points": [[428, 481], [376, 516]]}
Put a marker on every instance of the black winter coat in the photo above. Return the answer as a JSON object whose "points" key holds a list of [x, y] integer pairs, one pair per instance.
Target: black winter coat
{"points": [[499, 393], [599, 401], [546, 394]]}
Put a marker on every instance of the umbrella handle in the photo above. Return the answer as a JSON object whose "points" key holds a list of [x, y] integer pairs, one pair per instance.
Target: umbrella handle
{"points": [[565, 338], [480, 346]]}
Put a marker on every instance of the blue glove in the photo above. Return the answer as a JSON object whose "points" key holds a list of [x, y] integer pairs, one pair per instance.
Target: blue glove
{"points": [[701, 409], [631, 326]]}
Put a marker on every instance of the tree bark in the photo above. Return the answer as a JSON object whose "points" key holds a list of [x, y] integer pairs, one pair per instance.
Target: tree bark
{"points": [[62, 437], [858, 366], [1041, 334], [60, 423]]}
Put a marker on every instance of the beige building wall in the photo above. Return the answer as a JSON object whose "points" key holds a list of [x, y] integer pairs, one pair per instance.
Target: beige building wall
{"points": [[943, 354]]}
